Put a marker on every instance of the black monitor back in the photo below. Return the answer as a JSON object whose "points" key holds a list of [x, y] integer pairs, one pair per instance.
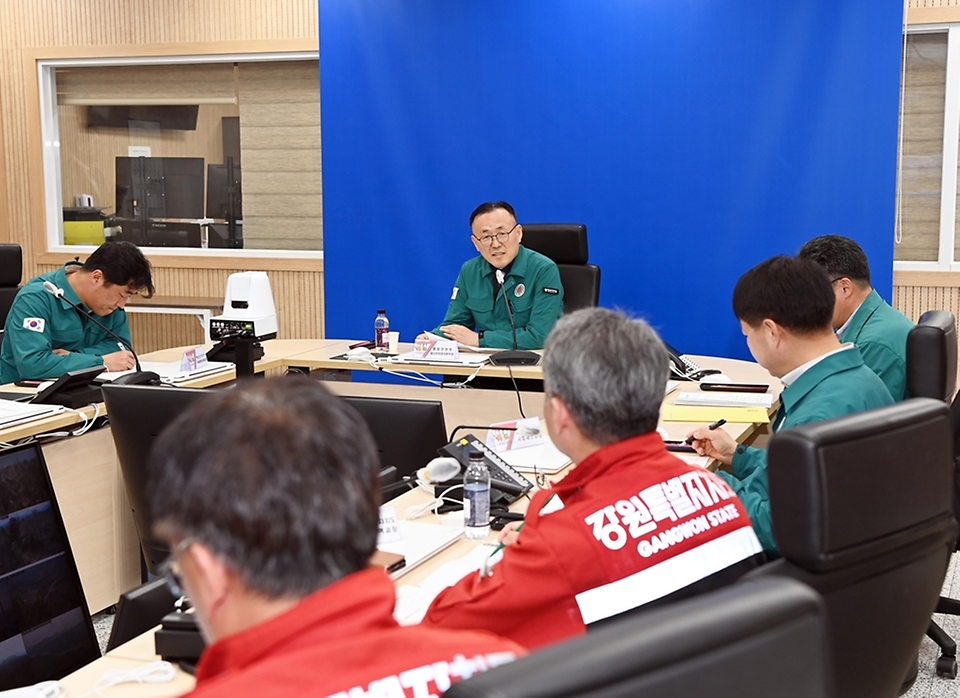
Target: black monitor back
{"points": [[148, 188], [139, 610], [408, 432], [138, 414], [45, 627]]}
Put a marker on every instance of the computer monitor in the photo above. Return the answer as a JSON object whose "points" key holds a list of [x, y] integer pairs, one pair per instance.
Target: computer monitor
{"points": [[138, 414], [408, 432], [148, 188], [45, 627], [139, 610], [218, 198]]}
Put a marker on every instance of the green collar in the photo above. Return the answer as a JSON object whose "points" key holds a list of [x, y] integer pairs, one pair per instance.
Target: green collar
{"points": [[860, 318], [844, 360]]}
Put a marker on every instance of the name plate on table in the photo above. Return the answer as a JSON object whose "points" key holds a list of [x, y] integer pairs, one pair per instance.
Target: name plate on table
{"points": [[193, 359], [436, 350], [514, 435]]}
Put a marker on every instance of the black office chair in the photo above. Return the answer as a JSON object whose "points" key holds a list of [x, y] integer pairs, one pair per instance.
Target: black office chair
{"points": [[931, 372], [566, 244], [11, 273], [863, 513], [759, 638], [139, 610]]}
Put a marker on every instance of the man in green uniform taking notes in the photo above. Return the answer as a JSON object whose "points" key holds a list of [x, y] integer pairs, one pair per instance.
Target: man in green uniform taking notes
{"points": [[45, 337], [478, 314], [785, 306], [860, 315]]}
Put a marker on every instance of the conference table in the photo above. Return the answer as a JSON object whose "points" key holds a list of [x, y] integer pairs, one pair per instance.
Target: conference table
{"points": [[92, 499]]}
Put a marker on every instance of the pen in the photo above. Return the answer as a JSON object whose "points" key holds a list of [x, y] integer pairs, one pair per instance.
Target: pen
{"points": [[121, 346], [716, 425], [504, 545]]}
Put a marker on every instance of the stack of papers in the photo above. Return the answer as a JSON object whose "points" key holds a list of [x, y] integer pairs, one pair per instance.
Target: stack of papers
{"points": [[170, 372], [724, 399], [413, 601], [699, 413], [465, 347], [413, 357], [13, 413]]}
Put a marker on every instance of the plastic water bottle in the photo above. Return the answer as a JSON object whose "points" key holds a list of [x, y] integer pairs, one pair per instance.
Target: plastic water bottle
{"points": [[476, 498], [380, 328]]}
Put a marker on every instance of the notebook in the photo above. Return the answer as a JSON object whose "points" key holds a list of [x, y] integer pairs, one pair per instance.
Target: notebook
{"points": [[13, 413], [419, 542]]}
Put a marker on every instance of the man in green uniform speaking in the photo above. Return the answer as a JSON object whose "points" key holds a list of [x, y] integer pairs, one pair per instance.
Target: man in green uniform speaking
{"points": [[784, 306], [860, 315], [477, 315], [44, 336]]}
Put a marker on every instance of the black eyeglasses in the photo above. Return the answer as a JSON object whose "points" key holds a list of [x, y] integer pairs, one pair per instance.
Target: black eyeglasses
{"points": [[487, 240], [170, 568]]}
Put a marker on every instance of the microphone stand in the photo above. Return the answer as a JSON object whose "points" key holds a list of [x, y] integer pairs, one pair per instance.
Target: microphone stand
{"points": [[139, 377], [514, 357]]}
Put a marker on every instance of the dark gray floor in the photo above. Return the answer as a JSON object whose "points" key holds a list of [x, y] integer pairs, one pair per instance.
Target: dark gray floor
{"points": [[928, 684]]}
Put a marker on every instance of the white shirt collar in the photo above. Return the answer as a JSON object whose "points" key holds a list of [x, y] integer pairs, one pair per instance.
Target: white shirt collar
{"points": [[843, 328], [800, 370]]}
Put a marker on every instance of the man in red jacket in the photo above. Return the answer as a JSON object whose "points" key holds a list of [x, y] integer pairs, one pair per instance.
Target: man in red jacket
{"points": [[630, 525], [269, 498]]}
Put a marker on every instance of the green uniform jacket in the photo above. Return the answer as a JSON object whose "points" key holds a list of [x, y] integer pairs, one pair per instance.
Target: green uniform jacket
{"points": [[838, 385], [536, 296], [880, 333], [39, 322]]}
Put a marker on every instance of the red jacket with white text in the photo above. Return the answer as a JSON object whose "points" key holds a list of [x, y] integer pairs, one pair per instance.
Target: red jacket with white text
{"points": [[629, 525], [343, 641]]}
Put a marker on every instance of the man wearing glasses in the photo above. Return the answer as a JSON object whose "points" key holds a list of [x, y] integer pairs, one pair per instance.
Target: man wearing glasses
{"points": [[477, 315], [860, 315], [269, 499], [45, 336]]}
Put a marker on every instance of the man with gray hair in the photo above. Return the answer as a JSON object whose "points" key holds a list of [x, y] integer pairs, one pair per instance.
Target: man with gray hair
{"points": [[631, 525]]}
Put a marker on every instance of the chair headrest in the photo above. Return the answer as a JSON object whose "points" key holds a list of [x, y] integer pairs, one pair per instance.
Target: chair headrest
{"points": [[564, 243], [848, 489], [932, 356], [11, 264]]}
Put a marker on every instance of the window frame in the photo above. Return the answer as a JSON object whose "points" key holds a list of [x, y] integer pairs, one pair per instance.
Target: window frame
{"points": [[951, 153], [49, 133]]}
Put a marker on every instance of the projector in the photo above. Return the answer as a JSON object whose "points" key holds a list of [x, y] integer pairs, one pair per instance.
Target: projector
{"points": [[248, 309]]}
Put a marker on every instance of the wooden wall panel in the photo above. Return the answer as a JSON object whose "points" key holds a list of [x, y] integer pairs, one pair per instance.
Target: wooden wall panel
{"points": [[108, 28], [151, 332], [270, 143], [932, 11], [914, 301], [209, 83]]}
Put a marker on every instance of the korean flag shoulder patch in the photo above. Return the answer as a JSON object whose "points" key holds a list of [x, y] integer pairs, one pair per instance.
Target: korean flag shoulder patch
{"points": [[36, 324]]}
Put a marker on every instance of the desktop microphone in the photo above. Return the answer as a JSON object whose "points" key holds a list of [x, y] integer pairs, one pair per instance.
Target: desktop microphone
{"points": [[137, 378], [515, 357]]}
